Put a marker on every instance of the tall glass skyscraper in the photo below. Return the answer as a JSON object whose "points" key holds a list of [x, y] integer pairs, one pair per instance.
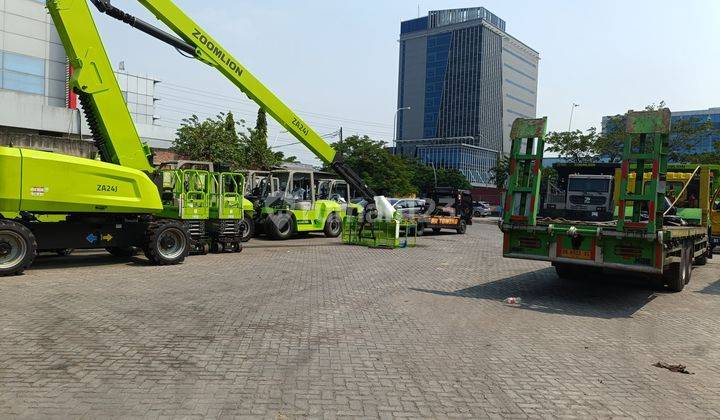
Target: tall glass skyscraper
{"points": [[465, 80]]}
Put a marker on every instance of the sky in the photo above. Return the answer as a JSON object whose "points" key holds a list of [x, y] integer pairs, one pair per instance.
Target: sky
{"points": [[336, 62]]}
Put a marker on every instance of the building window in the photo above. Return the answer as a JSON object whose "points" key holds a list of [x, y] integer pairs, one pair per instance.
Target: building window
{"points": [[22, 73]]}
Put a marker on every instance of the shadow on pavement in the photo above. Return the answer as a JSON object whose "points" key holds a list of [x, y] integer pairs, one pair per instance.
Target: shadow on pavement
{"points": [[83, 259], [605, 297], [711, 289]]}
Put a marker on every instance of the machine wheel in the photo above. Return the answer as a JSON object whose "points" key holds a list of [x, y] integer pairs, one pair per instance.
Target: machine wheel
{"points": [[205, 249], [279, 226], [167, 242], [217, 248], [437, 230], [702, 260], [248, 228], [18, 248], [237, 247], [333, 226], [462, 227], [123, 252]]}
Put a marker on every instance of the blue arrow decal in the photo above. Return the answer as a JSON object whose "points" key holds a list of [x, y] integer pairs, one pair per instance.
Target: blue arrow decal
{"points": [[92, 238]]}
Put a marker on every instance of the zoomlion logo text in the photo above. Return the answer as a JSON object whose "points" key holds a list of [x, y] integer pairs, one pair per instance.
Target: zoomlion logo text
{"points": [[218, 52]]}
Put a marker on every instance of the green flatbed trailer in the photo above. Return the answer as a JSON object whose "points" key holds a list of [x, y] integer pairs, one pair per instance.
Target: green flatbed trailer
{"points": [[637, 241]]}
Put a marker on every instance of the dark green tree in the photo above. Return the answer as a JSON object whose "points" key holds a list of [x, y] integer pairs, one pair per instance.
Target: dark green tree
{"points": [[387, 174], [500, 174], [574, 146], [257, 153], [212, 140]]}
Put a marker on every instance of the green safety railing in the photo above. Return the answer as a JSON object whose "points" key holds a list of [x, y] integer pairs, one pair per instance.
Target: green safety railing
{"points": [[645, 151], [526, 156]]}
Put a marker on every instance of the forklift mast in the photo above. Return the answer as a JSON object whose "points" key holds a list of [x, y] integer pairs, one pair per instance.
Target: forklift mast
{"points": [[78, 30]]}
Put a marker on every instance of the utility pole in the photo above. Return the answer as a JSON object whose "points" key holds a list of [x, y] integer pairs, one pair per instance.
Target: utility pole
{"points": [[572, 113], [341, 134]]}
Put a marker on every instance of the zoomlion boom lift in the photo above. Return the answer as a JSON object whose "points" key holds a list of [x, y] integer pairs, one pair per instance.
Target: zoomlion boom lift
{"points": [[122, 202]]}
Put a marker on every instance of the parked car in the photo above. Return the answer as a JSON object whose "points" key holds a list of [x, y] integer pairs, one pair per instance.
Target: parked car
{"points": [[408, 207], [481, 209]]}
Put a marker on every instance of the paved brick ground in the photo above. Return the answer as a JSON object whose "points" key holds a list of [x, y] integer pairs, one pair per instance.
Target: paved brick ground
{"points": [[313, 328]]}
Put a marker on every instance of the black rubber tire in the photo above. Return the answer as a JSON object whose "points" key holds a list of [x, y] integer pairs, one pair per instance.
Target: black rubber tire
{"points": [[237, 247], [20, 234], [333, 226], [280, 226], [158, 231], [436, 230], [123, 252], [216, 248], [420, 231], [205, 249], [675, 277], [249, 230], [701, 260], [462, 227], [689, 263]]}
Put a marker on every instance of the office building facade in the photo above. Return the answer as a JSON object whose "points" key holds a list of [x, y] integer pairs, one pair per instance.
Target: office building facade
{"points": [[37, 108], [703, 143], [465, 81]]}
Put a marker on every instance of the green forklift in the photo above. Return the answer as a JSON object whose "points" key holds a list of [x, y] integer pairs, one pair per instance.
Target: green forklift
{"points": [[303, 201]]}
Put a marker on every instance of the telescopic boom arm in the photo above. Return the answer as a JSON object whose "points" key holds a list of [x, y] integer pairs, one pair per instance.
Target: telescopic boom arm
{"points": [[193, 40]]}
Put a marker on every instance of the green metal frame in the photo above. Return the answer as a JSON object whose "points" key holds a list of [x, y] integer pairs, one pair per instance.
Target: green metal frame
{"points": [[224, 204], [189, 191], [526, 155], [645, 150]]}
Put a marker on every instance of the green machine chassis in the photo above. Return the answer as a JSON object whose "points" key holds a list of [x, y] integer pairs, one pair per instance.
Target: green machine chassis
{"points": [[637, 242]]}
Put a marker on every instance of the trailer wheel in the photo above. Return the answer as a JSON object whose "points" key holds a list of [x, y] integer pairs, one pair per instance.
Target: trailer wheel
{"points": [[689, 260], [122, 252], [248, 228], [676, 276], [167, 242], [18, 248], [333, 226], [279, 226], [702, 260], [436, 230], [462, 227]]}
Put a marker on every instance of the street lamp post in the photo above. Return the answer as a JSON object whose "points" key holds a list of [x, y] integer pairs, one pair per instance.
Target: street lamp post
{"points": [[407, 108], [572, 113]]}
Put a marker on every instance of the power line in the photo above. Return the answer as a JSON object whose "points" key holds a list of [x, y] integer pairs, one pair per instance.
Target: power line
{"points": [[213, 108], [216, 95]]}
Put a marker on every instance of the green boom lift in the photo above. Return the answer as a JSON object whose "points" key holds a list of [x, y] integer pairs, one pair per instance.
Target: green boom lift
{"points": [[121, 203]]}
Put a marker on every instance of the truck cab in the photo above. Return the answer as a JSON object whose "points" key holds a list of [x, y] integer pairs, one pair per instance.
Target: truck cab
{"points": [[590, 197]]}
